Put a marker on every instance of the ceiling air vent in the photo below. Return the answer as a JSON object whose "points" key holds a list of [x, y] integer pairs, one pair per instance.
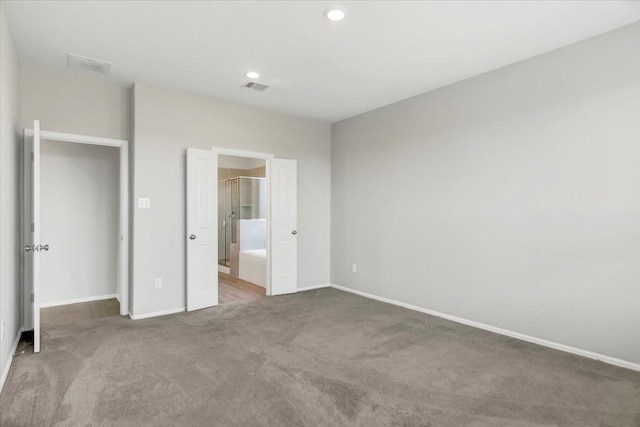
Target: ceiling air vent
{"points": [[255, 85], [91, 64]]}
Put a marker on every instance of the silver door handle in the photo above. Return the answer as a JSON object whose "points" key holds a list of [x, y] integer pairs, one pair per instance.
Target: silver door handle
{"points": [[294, 232], [36, 248], [192, 237]]}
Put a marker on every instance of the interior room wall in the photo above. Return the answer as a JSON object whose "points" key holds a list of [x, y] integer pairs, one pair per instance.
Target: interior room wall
{"points": [[79, 210], [511, 199], [226, 173], [75, 103], [169, 122], [236, 162], [10, 143], [232, 166]]}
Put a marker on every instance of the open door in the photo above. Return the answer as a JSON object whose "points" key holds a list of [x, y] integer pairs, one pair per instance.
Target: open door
{"points": [[284, 244], [202, 229], [33, 247]]}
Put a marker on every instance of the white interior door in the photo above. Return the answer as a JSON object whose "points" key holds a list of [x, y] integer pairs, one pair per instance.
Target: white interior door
{"points": [[32, 232], [284, 243], [202, 229]]}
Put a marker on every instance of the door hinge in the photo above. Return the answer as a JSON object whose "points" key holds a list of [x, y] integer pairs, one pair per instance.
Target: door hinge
{"points": [[33, 298]]}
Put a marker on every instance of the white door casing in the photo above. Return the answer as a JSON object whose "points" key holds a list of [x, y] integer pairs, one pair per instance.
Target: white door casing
{"points": [[284, 239], [31, 168], [202, 230]]}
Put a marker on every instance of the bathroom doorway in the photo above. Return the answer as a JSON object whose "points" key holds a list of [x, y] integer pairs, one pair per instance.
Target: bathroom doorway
{"points": [[242, 228], [203, 226]]}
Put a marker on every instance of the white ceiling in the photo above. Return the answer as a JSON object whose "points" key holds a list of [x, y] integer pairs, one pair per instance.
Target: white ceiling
{"points": [[384, 51]]}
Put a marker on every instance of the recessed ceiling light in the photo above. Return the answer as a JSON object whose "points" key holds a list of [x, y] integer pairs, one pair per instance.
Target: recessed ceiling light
{"points": [[335, 14], [253, 75]]}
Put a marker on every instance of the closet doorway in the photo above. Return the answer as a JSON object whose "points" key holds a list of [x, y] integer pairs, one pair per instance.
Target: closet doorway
{"points": [[75, 192]]}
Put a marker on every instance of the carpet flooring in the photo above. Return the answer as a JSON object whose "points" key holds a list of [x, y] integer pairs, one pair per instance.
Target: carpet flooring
{"points": [[317, 358], [80, 312]]}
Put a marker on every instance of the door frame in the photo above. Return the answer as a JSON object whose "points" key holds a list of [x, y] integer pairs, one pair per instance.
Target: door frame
{"points": [[123, 284], [267, 157]]}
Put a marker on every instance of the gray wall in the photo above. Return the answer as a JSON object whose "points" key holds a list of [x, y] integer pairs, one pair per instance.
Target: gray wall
{"points": [[166, 124], [9, 195], [79, 207], [510, 199]]}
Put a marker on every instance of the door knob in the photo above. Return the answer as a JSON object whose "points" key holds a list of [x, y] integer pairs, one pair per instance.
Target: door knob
{"points": [[43, 248], [30, 248], [192, 237], [294, 232]]}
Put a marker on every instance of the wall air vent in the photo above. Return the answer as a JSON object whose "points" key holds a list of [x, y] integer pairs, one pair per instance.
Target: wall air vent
{"points": [[86, 63], [256, 86]]}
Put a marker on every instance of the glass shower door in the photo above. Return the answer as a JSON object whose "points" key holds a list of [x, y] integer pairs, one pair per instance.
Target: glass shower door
{"points": [[221, 224], [228, 221]]}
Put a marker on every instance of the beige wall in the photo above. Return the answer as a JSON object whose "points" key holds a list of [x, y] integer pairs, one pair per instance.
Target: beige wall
{"points": [[10, 241], [260, 172], [77, 104], [226, 173], [510, 199], [169, 122]]}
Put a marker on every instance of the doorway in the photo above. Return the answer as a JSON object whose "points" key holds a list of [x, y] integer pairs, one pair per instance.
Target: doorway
{"points": [[79, 210], [205, 258], [242, 228], [37, 249]]}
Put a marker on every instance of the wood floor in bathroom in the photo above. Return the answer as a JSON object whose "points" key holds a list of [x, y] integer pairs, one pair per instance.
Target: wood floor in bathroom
{"points": [[232, 289]]}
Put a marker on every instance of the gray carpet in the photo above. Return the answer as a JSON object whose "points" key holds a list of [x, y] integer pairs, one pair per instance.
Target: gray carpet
{"points": [[321, 357]]}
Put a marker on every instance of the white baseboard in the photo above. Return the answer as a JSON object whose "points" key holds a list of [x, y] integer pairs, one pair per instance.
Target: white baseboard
{"points": [[546, 343], [254, 283], [5, 372], [308, 288], [223, 269], [77, 300], [157, 313]]}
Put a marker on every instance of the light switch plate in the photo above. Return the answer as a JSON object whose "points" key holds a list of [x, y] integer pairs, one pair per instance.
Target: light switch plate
{"points": [[144, 203]]}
